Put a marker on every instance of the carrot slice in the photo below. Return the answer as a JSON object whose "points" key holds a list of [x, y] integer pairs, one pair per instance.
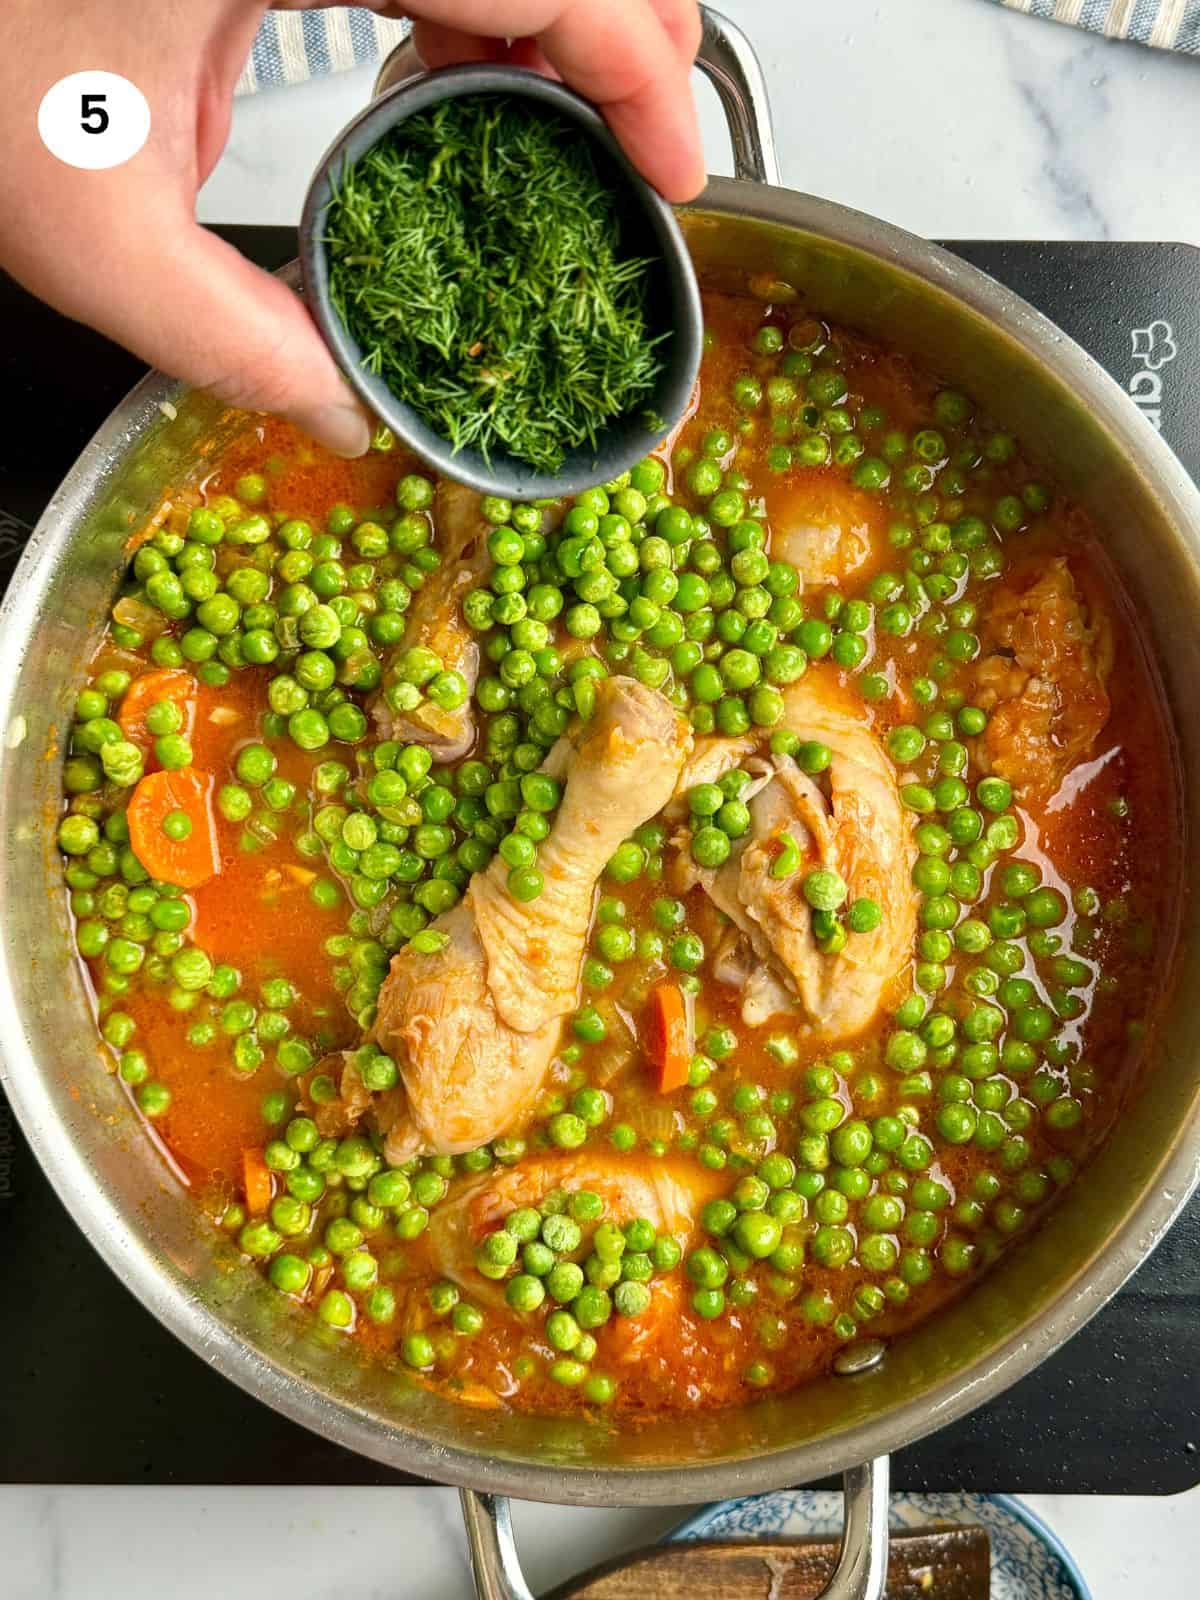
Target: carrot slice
{"points": [[185, 862], [167, 683], [667, 1037], [256, 1177]]}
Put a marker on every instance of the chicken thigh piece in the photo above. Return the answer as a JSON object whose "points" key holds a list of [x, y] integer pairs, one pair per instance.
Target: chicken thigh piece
{"points": [[473, 1027], [436, 622], [1046, 659], [824, 528], [711, 758], [670, 1193], [850, 820]]}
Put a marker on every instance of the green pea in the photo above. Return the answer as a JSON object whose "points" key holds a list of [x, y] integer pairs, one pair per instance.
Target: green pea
{"points": [[567, 1131], [592, 1307], [1045, 908], [832, 1246], [758, 1233], [821, 1116], [524, 1292], [706, 1268], [993, 794], [254, 765], [77, 835], [154, 1099], [417, 1350], [563, 1333], [686, 952], [824, 889], [1033, 1023]]}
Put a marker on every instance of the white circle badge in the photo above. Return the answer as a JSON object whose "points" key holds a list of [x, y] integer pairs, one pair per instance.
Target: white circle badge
{"points": [[94, 120]]}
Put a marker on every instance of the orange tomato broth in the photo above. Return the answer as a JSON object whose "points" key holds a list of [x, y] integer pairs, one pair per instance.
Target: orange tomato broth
{"points": [[1114, 827], [214, 1114]]}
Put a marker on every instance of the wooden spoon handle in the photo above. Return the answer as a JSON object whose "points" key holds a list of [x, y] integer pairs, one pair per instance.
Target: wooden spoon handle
{"points": [[934, 1564]]}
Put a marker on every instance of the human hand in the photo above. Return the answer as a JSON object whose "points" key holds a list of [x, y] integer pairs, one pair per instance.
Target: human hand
{"points": [[121, 249], [632, 58]]}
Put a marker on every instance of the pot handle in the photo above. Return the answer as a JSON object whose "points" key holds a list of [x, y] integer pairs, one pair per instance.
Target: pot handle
{"points": [[861, 1572], [726, 58], [398, 67], [495, 1565]]}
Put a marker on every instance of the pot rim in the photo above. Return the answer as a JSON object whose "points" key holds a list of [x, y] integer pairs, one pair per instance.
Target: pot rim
{"points": [[1108, 1266]]}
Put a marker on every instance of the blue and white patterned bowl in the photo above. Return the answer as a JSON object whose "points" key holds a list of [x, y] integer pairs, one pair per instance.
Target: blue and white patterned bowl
{"points": [[1028, 1561]]}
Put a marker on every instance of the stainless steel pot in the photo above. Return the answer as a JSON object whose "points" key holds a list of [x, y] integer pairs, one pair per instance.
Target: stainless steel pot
{"points": [[1030, 377]]}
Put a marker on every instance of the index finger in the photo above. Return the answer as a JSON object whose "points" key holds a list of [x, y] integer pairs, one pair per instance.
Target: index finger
{"points": [[621, 55], [681, 19], [618, 54]]}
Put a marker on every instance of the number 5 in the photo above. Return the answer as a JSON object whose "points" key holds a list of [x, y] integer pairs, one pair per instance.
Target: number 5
{"points": [[93, 118]]}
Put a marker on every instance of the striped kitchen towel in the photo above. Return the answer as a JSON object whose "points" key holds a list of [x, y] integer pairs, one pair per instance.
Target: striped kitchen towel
{"points": [[295, 45], [1166, 24]]}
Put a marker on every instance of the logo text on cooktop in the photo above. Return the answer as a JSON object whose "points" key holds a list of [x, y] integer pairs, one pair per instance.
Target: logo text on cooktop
{"points": [[1154, 347]]}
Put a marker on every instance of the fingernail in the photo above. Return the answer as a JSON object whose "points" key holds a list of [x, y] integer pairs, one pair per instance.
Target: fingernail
{"points": [[344, 429]]}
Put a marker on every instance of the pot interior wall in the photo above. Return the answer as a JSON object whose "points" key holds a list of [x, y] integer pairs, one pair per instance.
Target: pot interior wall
{"points": [[126, 1198]]}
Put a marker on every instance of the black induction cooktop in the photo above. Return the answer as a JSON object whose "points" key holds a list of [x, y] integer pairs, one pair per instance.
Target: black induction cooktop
{"points": [[93, 1390]]}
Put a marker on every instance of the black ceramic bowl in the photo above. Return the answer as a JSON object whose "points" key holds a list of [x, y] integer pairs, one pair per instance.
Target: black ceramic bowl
{"points": [[673, 304]]}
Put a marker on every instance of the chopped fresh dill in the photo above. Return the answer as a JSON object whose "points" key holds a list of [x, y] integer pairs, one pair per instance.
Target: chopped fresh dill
{"points": [[475, 255]]}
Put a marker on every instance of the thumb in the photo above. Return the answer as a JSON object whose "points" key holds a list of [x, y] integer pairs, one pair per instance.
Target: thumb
{"points": [[200, 311]]}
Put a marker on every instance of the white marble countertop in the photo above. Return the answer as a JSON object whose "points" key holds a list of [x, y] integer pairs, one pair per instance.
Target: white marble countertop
{"points": [[954, 118], [408, 1544], [949, 117]]}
